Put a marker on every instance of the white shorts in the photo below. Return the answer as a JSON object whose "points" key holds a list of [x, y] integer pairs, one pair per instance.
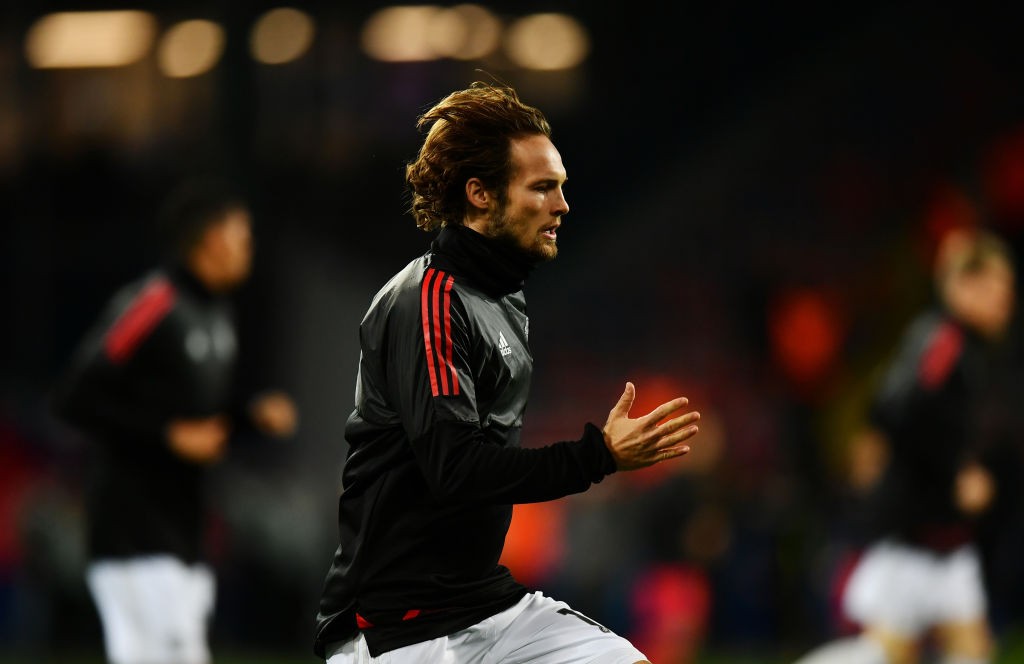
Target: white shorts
{"points": [[154, 609], [906, 590], [538, 630]]}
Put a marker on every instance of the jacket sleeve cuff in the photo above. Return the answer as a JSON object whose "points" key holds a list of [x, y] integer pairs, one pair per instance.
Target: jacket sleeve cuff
{"points": [[604, 462]]}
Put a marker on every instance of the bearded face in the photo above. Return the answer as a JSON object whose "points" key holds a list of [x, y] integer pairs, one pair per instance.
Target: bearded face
{"points": [[533, 207]]}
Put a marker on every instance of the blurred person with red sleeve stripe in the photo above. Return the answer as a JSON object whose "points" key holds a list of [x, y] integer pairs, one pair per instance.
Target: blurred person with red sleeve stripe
{"points": [[921, 575], [153, 385]]}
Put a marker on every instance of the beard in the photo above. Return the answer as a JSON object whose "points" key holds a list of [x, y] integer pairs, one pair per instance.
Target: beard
{"points": [[513, 233]]}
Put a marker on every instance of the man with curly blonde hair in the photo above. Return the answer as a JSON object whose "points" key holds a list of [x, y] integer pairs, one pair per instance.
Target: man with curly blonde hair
{"points": [[434, 462]]}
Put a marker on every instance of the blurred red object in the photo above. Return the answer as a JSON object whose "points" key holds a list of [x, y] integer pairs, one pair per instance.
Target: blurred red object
{"points": [[535, 542], [670, 606], [1003, 171], [806, 330]]}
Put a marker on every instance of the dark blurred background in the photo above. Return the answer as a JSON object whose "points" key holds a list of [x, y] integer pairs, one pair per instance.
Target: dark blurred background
{"points": [[756, 191]]}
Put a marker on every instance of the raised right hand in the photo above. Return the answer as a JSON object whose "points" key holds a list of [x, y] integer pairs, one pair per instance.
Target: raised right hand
{"points": [[199, 440], [637, 443]]}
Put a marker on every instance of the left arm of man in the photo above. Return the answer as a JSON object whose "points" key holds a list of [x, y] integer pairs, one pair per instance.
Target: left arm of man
{"points": [[437, 396], [459, 464]]}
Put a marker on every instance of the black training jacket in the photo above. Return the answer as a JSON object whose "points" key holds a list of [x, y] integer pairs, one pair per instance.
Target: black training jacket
{"points": [[164, 348], [926, 408], [434, 462]]}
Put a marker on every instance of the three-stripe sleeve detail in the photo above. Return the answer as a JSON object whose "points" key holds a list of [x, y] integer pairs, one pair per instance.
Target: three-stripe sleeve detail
{"points": [[435, 309]]}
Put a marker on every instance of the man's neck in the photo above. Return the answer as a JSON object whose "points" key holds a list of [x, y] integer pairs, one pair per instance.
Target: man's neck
{"points": [[480, 224]]}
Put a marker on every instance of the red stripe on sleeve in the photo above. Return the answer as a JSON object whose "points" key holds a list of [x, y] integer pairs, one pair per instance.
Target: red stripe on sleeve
{"points": [[448, 334], [439, 347], [136, 323], [425, 315], [940, 357]]}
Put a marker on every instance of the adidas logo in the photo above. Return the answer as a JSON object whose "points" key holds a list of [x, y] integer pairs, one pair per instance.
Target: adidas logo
{"points": [[503, 346]]}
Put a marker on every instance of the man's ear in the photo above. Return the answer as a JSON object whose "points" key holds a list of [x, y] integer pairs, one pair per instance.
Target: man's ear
{"points": [[477, 194]]}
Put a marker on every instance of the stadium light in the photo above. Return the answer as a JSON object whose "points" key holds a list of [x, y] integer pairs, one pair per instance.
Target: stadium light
{"points": [[282, 35], [400, 34], [547, 42], [190, 48], [464, 32], [89, 39]]}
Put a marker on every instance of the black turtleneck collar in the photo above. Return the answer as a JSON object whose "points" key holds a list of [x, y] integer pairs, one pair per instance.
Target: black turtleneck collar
{"points": [[495, 267]]}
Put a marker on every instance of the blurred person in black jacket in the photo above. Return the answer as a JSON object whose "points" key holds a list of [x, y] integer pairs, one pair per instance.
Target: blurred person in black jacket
{"points": [[153, 384], [921, 573]]}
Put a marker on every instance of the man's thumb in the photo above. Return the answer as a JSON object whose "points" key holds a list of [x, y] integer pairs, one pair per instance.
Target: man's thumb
{"points": [[625, 401]]}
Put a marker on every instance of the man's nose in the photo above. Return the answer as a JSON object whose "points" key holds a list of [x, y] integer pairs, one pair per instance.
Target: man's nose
{"points": [[561, 205]]}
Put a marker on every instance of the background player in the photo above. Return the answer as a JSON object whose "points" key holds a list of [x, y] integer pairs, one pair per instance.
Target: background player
{"points": [[153, 384], [922, 574]]}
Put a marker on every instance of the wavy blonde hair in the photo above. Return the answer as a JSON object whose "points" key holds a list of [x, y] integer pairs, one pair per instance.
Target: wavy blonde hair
{"points": [[468, 134]]}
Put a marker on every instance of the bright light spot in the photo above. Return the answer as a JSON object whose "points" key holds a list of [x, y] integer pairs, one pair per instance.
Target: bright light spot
{"points": [[446, 32], [89, 39], [464, 32], [190, 48], [281, 35], [400, 34], [547, 42]]}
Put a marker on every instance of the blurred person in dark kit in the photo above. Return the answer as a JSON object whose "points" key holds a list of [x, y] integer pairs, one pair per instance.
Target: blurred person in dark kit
{"points": [[434, 462], [920, 575], [153, 385]]}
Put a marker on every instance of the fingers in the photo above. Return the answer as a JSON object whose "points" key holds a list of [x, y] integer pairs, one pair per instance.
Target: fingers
{"points": [[677, 423], [668, 439], [625, 402], [666, 453], [673, 452], [664, 410], [673, 440]]}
